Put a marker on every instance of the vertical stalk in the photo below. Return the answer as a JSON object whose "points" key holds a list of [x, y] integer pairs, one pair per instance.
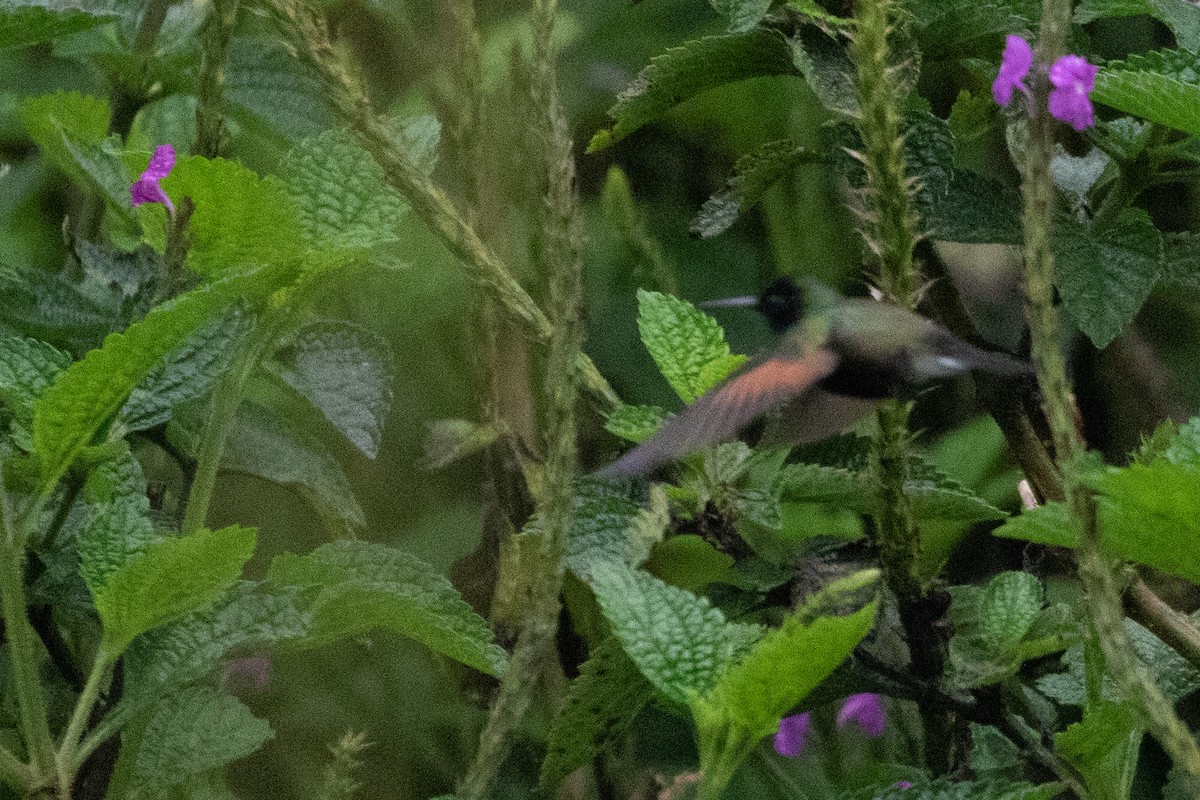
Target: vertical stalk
{"points": [[1103, 606], [890, 228], [561, 256], [210, 87], [222, 413]]}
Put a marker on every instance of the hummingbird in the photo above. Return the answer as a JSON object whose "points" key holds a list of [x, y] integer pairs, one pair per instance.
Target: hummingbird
{"points": [[835, 359]]}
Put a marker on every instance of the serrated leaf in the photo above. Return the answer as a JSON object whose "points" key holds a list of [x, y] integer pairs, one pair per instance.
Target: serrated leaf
{"points": [[117, 526], [103, 166], [48, 117], [678, 640], [269, 87], [418, 138], [356, 587], [754, 174], [684, 72], [189, 372], [743, 14], [1161, 86], [952, 29], [1104, 748], [976, 210], [600, 708], [944, 789], [684, 342], [27, 368], [993, 755], [168, 579], [346, 372], [343, 200], [1182, 18], [1104, 276], [1181, 260], [26, 23], [826, 66], [70, 413], [50, 306], [262, 443], [784, 666], [635, 423], [817, 483], [239, 219], [608, 525], [190, 733]]}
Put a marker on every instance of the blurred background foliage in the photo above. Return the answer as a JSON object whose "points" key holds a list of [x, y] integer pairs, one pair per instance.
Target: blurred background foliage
{"points": [[421, 715]]}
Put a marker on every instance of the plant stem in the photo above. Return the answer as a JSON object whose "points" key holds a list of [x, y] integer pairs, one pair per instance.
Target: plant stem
{"points": [[13, 773], [210, 87], [1103, 602], [1172, 626], [22, 643], [68, 749]]}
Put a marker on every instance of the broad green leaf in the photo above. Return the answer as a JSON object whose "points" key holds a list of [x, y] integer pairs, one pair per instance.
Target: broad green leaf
{"points": [[785, 665], [1104, 748], [993, 755], [826, 66], [1104, 276], [117, 527], [356, 587], [684, 72], [1182, 18], [268, 87], [600, 708], [678, 640], [265, 444], [188, 372], [609, 526], [687, 345], [133, 276], [26, 23], [104, 167], [1048, 524], [753, 175], [1184, 446], [168, 579], [635, 423], [239, 219], [346, 372], [944, 789], [954, 28], [817, 483], [418, 138], [51, 307], [743, 14], [27, 368], [48, 117], [976, 210], [190, 733], [1159, 86], [344, 203], [72, 411], [1181, 264]]}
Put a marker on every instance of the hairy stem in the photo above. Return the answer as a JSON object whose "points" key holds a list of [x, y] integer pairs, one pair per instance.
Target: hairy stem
{"points": [[68, 759], [210, 87], [1103, 605]]}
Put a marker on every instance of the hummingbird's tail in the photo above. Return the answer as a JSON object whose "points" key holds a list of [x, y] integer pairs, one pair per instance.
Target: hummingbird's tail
{"points": [[954, 357]]}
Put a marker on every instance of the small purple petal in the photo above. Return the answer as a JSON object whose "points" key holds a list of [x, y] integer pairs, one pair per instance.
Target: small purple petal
{"points": [[160, 163], [1014, 66], [902, 785], [147, 190], [866, 710], [792, 734], [1073, 79]]}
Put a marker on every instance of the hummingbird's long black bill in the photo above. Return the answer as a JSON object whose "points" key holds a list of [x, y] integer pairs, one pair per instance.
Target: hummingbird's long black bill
{"points": [[761, 386], [731, 302]]}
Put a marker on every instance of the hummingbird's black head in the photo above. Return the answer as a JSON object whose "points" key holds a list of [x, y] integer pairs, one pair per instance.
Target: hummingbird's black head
{"points": [[782, 304]]}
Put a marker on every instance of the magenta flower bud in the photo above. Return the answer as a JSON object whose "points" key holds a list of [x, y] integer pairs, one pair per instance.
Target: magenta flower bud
{"points": [[902, 785], [792, 734], [146, 189], [1014, 66], [866, 711], [1073, 79]]}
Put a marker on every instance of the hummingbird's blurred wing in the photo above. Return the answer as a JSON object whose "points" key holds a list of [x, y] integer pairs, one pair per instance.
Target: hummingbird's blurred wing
{"points": [[761, 386]]}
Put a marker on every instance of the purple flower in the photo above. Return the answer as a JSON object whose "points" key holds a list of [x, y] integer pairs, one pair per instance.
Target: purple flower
{"points": [[146, 189], [902, 785], [1073, 79], [1014, 66], [865, 710], [793, 731]]}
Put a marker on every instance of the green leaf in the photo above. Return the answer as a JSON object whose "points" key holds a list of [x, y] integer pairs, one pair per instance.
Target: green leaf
{"points": [[1182, 18], [51, 118], [826, 66], [1048, 524], [1104, 748], [418, 138], [1181, 263], [678, 640], [976, 210], [1159, 86], [993, 755], [27, 368], [687, 345], [117, 527], [600, 709], [953, 28], [817, 483], [239, 219], [193, 732], [103, 165], [26, 23], [684, 72], [265, 444], [1104, 276], [635, 423], [743, 14], [188, 372], [343, 200], [788, 663], [356, 587], [944, 789], [168, 579], [72, 411], [754, 174], [1184, 447], [269, 88], [816, 13], [346, 372], [450, 440], [609, 526]]}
